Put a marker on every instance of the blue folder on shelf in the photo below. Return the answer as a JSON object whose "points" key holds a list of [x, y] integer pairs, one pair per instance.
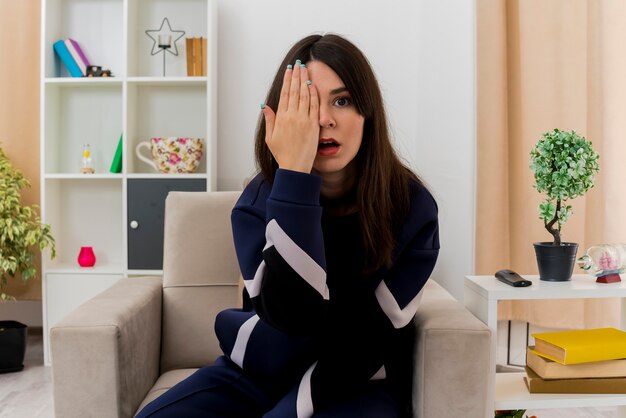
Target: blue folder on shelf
{"points": [[66, 57]]}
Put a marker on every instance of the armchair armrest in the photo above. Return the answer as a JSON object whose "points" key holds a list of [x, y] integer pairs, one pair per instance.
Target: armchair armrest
{"points": [[105, 354], [452, 358]]}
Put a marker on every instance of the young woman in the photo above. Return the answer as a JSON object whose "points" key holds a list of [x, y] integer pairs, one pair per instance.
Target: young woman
{"points": [[335, 239]]}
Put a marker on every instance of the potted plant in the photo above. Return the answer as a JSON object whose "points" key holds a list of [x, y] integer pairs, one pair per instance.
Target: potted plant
{"points": [[21, 232], [512, 413], [564, 164]]}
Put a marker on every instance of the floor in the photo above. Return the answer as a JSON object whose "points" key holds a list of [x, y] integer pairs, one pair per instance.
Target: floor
{"points": [[28, 394]]}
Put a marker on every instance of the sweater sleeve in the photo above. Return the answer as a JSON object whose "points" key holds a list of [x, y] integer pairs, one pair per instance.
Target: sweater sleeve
{"points": [[281, 252]]}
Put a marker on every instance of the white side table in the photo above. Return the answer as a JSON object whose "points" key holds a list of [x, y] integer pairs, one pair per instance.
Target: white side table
{"points": [[507, 390]]}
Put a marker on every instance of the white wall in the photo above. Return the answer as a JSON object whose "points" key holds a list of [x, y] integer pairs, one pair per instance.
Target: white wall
{"points": [[423, 54]]}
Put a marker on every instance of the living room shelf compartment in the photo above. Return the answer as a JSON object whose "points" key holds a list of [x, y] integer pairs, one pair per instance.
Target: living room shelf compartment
{"points": [[482, 295], [187, 15], [138, 103], [85, 213], [98, 26], [166, 110], [76, 114]]}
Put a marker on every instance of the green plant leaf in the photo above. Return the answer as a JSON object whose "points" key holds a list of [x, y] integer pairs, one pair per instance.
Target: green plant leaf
{"points": [[21, 230], [564, 165], [546, 210]]}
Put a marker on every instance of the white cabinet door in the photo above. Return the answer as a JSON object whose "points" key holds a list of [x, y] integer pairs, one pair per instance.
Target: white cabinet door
{"points": [[66, 292]]}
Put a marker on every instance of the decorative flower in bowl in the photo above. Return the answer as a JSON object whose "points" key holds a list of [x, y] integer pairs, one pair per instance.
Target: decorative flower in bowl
{"points": [[172, 154]]}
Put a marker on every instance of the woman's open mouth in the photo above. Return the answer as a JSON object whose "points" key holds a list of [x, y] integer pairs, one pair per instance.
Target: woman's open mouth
{"points": [[327, 147]]}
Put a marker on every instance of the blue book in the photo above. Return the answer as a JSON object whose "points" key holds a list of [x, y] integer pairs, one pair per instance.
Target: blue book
{"points": [[63, 53]]}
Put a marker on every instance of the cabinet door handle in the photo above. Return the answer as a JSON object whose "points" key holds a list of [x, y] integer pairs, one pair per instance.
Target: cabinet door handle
{"points": [[134, 224]]}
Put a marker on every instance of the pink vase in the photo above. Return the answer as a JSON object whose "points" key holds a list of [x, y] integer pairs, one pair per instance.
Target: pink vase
{"points": [[86, 257]]}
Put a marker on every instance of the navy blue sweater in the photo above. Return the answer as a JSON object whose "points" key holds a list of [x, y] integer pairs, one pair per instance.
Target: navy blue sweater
{"points": [[313, 326]]}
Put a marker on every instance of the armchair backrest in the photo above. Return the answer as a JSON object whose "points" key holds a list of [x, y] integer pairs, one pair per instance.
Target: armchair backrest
{"points": [[200, 275]]}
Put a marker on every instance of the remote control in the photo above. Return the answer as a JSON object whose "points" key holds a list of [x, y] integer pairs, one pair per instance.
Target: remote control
{"points": [[512, 278]]}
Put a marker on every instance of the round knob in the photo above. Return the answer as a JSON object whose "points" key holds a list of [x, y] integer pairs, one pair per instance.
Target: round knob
{"points": [[134, 224]]}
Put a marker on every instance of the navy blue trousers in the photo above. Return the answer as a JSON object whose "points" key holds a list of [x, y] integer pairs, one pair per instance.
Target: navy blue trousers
{"points": [[222, 390]]}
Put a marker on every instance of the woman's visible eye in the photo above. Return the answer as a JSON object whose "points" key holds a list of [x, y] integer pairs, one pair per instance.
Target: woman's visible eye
{"points": [[342, 101]]}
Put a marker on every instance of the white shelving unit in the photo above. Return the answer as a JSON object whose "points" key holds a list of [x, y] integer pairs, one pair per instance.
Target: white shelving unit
{"points": [[508, 390], [138, 103]]}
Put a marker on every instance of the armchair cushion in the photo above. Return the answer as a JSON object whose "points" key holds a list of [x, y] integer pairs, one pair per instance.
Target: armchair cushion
{"points": [[164, 383]]}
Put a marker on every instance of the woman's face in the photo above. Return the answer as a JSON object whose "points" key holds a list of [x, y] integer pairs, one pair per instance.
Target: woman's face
{"points": [[341, 125]]}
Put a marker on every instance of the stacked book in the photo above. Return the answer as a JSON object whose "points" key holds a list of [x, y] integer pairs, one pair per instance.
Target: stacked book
{"points": [[72, 57], [580, 361], [196, 56]]}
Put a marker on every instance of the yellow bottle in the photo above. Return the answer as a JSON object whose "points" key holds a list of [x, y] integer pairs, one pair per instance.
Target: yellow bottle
{"points": [[87, 167]]}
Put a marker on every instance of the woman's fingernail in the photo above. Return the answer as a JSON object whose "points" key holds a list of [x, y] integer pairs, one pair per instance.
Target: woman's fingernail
{"points": [[289, 66], [308, 82], [262, 105], [302, 65], [298, 62]]}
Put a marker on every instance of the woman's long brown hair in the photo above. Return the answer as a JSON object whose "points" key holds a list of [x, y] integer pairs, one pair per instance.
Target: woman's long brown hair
{"points": [[382, 192]]}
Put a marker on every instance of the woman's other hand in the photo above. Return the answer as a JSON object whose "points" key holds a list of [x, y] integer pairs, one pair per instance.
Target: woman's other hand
{"points": [[292, 133]]}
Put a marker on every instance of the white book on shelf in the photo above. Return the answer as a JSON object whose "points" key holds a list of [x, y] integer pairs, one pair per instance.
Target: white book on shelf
{"points": [[77, 54]]}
